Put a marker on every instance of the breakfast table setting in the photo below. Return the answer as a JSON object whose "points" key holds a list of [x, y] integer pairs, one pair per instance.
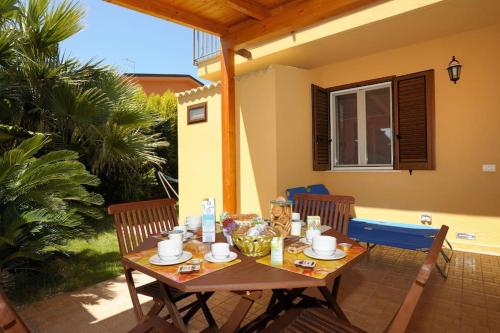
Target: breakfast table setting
{"points": [[245, 254]]}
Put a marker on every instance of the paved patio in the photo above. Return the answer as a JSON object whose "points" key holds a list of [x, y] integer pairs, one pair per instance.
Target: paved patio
{"points": [[468, 301]]}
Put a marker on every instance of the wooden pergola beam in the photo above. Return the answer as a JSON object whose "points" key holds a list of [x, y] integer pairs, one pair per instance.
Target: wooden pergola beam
{"points": [[290, 17], [168, 12], [228, 116], [250, 8]]}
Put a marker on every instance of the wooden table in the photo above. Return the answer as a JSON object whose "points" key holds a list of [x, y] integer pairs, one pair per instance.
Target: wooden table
{"points": [[247, 278]]}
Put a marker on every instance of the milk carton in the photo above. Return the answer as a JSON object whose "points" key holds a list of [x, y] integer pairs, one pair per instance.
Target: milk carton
{"points": [[208, 220], [277, 251]]}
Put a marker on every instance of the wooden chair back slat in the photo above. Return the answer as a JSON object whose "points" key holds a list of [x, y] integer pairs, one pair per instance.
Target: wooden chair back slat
{"points": [[10, 322], [332, 209], [136, 221], [403, 316]]}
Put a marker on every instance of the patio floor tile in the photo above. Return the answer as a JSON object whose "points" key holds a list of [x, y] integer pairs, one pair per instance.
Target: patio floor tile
{"points": [[370, 294]]}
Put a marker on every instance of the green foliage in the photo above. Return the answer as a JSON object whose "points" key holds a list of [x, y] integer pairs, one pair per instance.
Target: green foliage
{"points": [[79, 263], [166, 107], [43, 200], [85, 107]]}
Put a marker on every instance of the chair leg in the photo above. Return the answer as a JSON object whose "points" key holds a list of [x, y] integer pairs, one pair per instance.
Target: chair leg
{"points": [[139, 315]]}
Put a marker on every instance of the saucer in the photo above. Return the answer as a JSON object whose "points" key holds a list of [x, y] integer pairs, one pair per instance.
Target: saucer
{"points": [[231, 257], [155, 260], [339, 254]]}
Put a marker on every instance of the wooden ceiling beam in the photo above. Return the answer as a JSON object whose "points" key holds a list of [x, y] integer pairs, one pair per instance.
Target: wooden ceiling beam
{"points": [[250, 8], [290, 17], [163, 10]]}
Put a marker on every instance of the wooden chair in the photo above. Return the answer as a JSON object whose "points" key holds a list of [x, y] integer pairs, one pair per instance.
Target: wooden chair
{"points": [[333, 209], [317, 319], [134, 223], [10, 322]]}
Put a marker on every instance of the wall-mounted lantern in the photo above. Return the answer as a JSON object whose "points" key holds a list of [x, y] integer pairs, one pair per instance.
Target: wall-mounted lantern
{"points": [[454, 68]]}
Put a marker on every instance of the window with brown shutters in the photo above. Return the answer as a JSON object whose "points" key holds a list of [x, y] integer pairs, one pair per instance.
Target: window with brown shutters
{"points": [[414, 121], [385, 123], [321, 128]]}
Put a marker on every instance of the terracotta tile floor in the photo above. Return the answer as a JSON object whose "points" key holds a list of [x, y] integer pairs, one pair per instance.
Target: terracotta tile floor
{"points": [[468, 301]]}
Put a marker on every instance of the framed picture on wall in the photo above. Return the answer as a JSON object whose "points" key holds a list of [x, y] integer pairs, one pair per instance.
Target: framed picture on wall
{"points": [[197, 113]]}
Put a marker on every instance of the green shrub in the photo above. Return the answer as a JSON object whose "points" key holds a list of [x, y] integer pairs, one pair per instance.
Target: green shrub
{"points": [[43, 201]]}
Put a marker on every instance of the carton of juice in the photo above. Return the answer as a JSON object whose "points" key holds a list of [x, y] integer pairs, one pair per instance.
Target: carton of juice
{"points": [[277, 251], [208, 220], [313, 223]]}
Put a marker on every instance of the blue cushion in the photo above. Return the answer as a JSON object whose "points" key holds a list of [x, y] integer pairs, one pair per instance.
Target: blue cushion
{"points": [[294, 190], [318, 189], [401, 235]]}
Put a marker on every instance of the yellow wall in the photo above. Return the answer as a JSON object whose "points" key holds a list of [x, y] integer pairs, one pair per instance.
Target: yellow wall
{"points": [[294, 127], [457, 193], [200, 149], [275, 148]]}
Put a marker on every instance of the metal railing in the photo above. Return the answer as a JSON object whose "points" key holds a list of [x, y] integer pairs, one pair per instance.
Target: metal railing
{"points": [[205, 46]]}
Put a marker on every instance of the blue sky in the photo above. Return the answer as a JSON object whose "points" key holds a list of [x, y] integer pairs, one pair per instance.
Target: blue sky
{"points": [[132, 41]]}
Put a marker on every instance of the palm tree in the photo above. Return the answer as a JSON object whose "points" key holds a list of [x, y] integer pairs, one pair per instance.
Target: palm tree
{"points": [[86, 107], [43, 200]]}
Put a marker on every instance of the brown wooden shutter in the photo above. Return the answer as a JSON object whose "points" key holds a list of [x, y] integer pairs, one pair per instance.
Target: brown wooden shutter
{"points": [[321, 128], [414, 121]]}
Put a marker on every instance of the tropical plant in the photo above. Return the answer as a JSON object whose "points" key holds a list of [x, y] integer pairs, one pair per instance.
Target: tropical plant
{"points": [[85, 107], [164, 106], [43, 200]]}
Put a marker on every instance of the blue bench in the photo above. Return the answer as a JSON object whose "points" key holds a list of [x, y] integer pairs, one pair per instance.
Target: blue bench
{"points": [[400, 235]]}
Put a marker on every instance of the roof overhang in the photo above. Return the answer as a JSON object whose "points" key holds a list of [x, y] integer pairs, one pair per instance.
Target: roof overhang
{"points": [[242, 21]]}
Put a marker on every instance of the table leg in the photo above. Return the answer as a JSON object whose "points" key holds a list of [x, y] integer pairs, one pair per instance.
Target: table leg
{"points": [[331, 299], [172, 309], [241, 310], [284, 301], [206, 310]]}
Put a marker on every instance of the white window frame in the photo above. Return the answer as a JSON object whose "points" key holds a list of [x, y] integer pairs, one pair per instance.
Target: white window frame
{"points": [[361, 121]]}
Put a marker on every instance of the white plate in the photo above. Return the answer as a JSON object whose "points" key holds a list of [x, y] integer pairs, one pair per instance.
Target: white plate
{"points": [[185, 256], [232, 256], [339, 254]]}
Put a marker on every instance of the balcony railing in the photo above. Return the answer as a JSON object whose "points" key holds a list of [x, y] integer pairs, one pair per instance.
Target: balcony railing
{"points": [[205, 46]]}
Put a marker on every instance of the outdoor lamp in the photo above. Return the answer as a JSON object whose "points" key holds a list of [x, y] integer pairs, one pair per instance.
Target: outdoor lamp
{"points": [[454, 68]]}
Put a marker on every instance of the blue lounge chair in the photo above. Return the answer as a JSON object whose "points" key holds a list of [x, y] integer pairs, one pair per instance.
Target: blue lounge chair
{"points": [[400, 235]]}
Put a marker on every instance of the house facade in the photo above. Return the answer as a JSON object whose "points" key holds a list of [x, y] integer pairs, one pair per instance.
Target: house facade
{"points": [[367, 66]]}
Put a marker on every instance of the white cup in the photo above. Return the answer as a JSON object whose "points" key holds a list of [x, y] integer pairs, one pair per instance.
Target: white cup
{"points": [[193, 222], [296, 228], [295, 216], [220, 250], [311, 234], [176, 235], [170, 249], [182, 228], [324, 245]]}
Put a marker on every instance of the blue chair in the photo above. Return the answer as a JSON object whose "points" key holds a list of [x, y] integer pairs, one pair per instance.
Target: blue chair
{"points": [[294, 190], [317, 189]]}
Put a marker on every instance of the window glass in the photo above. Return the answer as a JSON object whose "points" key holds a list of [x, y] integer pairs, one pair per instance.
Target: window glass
{"points": [[346, 129], [378, 126]]}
